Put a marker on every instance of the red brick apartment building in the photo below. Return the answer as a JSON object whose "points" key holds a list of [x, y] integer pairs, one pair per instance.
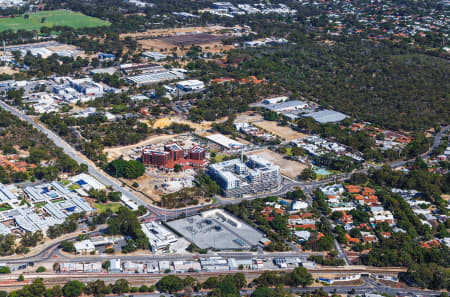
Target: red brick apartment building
{"points": [[174, 154]]}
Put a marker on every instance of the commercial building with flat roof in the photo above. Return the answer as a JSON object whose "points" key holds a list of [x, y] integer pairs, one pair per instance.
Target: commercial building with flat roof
{"points": [[219, 230], [87, 86], [153, 78], [237, 179], [326, 116], [192, 85], [287, 106], [159, 237], [154, 55], [84, 247], [225, 141], [275, 100]]}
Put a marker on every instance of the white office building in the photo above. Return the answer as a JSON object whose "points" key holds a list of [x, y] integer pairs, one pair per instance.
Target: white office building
{"points": [[159, 237], [192, 85], [87, 86], [237, 178]]}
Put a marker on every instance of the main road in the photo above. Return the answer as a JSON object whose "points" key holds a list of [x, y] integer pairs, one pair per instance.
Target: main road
{"points": [[93, 170]]}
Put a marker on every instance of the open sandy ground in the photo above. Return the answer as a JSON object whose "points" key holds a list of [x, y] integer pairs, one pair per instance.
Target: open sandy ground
{"points": [[285, 132], [288, 168]]}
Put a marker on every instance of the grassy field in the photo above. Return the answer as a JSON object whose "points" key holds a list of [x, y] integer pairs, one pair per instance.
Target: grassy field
{"points": [[102, 207], [52, 18]]}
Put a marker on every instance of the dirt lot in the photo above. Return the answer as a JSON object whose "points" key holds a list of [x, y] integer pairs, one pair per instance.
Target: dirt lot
{"points": [[194, 38], [287, 167], [173, 31], [248, 117], [165, 122], [209, 38], [116, 152], [284, 132], [8, 70]]}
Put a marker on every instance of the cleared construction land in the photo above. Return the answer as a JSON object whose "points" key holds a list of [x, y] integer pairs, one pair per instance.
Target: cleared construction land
{"points": [[288, 168], [285, 132], [209, 38]]}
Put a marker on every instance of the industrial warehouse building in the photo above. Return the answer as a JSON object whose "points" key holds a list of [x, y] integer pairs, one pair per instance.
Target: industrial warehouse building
{"points": [[192, 85], [156, 77], [219, 230], [87, 86], [326, 116], [237, 179], [287, 106]]}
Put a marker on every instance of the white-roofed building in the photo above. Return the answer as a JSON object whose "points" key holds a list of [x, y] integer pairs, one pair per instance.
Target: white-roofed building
{"points": [[287, 106], [159, 237], [154, 55], [225, 141], [236, 178], [192, 85], [84, 247]]}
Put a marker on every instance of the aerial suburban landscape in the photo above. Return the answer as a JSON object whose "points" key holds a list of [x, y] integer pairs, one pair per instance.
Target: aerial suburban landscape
{"points": [[242, 148]]}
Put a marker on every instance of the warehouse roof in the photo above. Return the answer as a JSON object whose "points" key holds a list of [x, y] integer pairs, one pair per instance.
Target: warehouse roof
{"points": [[224, 141], [326, 116], [285, 105]]}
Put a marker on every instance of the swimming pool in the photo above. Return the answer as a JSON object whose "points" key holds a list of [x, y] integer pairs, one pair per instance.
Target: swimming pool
{"points": [[322, 171]]}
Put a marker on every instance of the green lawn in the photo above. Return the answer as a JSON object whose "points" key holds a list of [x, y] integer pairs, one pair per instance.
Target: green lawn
{"points": [[74, 187], [40, 204], [102, 207], [52, 18]]}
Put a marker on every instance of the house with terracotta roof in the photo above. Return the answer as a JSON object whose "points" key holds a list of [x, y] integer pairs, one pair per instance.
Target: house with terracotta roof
{"points": [[386, 234], [431, 244], [353, 189], [304, 226], [306, 215], [368, 237], [13, 163], [351, 239]]}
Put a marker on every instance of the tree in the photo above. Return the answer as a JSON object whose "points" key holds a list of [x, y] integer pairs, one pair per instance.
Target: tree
{"points": [[56, 291], [262, 292], [5, 270], [21, 278], [121, 286], [40, 269], [240, 280], [97, 288], [129, 169], [177, 168], [300, 277], [67, 246], [126, 223], [336, 215], [227, 286], [73, 288], [170, 284], [114, 196], [134, 169], [307, 173]]}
